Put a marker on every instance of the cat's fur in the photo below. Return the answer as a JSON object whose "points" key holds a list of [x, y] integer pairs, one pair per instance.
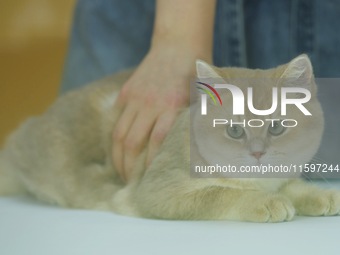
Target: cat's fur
{"points": [[64, 157]]}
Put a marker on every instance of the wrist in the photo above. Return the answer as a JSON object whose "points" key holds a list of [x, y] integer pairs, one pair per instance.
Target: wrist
{"points": [[185, 25], [182, 51], [172, 43]]}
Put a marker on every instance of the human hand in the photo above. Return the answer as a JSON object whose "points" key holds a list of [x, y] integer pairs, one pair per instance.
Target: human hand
{"points": [[150, 101], [153, 96]]}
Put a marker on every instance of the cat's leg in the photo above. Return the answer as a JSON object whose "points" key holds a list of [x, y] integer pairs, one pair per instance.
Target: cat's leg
{"points": [[172, 199], [59, 164], [311, 200], [59, 180], [8, 183], [86, 187]]}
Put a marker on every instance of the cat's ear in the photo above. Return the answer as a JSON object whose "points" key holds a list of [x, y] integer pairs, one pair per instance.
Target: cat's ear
{"points": [[299, 73], [205, 71], [206, 74]]}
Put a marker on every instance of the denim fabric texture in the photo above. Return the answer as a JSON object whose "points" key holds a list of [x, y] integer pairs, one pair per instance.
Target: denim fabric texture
{"points": [[107, 36], [111, 35]]}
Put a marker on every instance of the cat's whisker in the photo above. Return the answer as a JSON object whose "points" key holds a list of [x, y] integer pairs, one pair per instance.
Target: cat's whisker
{"points": [[323, 178], [312, 180], [318, 160], [306, 177]]}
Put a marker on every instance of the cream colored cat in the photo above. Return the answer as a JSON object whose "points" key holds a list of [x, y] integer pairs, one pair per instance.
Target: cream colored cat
{"points": [[64, 156]]}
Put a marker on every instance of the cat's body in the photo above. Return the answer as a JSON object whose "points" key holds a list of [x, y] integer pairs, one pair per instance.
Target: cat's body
{"points": [[64, 157]]}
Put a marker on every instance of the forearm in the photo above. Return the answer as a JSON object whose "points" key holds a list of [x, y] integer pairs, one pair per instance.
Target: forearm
{"points": [[187, 24]]}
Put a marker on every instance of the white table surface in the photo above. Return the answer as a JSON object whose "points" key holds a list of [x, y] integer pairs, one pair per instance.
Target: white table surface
{"points": [[29, 227]]}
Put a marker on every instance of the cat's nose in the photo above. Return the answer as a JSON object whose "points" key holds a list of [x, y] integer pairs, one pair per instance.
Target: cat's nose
{"points": [[257, 154]]}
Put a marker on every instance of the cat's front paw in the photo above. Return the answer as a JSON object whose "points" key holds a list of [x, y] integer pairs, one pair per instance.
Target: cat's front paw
{"points": [[322, 203], [271, 209]]}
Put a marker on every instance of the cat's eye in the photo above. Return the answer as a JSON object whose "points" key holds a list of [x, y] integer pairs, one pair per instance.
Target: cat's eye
{"points": [[276, 128], [235, 131]]}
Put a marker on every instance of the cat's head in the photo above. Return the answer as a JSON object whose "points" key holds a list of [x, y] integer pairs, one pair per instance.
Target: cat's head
{"points": [[271, 142]]}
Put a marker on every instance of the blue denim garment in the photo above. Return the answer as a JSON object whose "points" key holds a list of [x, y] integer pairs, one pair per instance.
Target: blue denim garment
{"points": [[111, 35], [107, 36]]}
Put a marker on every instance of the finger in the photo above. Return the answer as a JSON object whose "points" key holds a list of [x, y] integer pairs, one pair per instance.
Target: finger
{"points": [[137, 138], [163, 125], [121, 129], [122, 98]]}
